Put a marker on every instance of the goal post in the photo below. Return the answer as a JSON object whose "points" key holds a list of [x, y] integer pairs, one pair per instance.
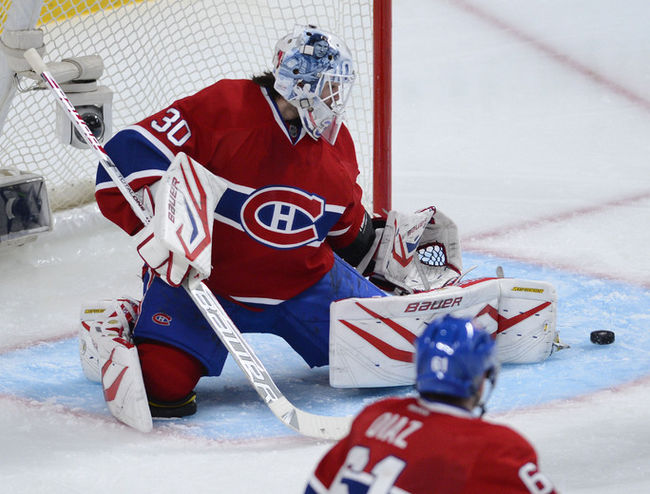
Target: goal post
{"points": [[195, 43], [382, 105]]}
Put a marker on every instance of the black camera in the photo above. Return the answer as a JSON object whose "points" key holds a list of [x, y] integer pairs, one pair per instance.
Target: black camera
{"points": [[24, 207]]}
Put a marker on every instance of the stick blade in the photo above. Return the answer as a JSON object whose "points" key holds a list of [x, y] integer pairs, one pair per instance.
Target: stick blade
{"points": [[309, 424]]}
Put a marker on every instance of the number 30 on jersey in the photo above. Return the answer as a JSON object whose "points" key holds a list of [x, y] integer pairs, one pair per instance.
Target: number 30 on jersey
{"points": [[176, 128]]}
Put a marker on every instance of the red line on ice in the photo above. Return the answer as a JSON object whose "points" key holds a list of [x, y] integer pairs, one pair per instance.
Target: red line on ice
{"points": [[553, 53], [476, 242]]}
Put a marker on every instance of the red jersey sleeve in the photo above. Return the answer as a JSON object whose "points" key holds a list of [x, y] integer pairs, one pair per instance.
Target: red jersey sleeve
{"points": [[142, 152]]}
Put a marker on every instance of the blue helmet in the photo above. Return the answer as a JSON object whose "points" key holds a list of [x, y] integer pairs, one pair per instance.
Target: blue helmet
{"points": [[453, 356]]}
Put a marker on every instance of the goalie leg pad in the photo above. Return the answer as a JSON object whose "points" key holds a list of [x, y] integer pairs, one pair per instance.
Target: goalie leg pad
{"points": [[123, 385], [109, 357], [527, 329], [88, 354], [372, 340], [114, 317]]}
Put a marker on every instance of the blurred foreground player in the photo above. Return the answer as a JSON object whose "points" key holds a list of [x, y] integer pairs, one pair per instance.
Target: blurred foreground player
{"points": [[435, 443]]}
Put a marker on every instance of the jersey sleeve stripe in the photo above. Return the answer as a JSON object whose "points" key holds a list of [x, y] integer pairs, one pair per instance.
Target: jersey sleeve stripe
{"points": [[133, 178], [157, 143]]}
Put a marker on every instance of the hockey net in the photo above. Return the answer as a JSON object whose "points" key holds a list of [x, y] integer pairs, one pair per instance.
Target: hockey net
{"points": [[159, 50]]}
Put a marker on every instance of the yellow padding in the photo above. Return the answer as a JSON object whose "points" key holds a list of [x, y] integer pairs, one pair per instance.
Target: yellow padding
{"points": [[4, 8], [56, 10]]}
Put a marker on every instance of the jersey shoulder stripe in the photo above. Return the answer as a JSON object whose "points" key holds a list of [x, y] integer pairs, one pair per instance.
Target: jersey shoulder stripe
{"points": [[137, 154]]}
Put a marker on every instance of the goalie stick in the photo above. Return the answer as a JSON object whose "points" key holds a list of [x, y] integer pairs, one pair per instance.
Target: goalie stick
{"points": [[308, 424]]}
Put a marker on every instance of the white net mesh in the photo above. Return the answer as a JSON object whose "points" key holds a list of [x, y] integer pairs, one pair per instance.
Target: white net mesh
{"points": [[160, 50]]}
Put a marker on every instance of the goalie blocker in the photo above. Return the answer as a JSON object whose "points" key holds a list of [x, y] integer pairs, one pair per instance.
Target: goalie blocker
{"points": [[372, 339]]}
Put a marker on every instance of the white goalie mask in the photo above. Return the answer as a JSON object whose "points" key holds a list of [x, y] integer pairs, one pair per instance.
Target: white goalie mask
{"points": [[314, 72]]}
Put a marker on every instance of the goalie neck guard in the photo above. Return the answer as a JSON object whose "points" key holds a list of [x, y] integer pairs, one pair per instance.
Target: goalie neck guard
{"points": [[314, 72], [453, 356]]}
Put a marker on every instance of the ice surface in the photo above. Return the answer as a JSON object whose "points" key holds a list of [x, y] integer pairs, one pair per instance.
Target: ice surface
{"points": [[528, 124]]}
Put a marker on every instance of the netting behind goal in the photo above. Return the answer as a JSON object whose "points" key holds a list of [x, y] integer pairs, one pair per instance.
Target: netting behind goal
{"points": [[159, 50]]}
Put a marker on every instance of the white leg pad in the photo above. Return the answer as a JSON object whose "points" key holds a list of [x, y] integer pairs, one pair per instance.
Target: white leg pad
{"points": [[527, 327], [124, 390], [92, 318], [109, 357], [372, 339]]}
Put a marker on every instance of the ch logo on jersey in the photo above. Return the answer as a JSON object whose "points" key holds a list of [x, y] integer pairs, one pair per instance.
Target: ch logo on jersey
{"points": [[282, 217], [162, 319]]}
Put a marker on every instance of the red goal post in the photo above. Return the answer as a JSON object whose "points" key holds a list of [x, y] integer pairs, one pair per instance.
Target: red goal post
{"points": [[155, 51]]}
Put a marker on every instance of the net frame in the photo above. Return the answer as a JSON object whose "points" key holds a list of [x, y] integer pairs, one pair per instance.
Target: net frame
{"points": [[157, 51]]}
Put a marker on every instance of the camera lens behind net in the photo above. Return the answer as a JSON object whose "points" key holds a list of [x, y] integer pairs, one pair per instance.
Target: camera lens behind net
{"points": [[94, 120]]}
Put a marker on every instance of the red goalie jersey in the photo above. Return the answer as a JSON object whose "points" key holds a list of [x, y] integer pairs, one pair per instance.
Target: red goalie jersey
{"points": [[290, 199], [407, 445]]}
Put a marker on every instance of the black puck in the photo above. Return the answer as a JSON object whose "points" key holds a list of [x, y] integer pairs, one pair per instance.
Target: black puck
{"points": [[602, 337]]}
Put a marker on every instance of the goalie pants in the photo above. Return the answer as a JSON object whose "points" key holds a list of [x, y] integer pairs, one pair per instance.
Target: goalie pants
{"points": [[170, 316]]}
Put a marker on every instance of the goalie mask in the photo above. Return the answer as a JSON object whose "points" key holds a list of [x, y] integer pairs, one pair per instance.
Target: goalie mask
{"points": [[314, 72]]}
